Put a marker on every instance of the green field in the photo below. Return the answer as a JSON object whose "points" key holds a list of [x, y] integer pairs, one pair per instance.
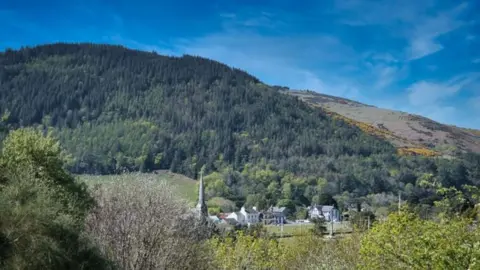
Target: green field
{"points": [[304, 228], [186, 187]]}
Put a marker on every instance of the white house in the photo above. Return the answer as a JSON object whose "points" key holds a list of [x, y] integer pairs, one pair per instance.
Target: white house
{"points": [[329, 212], [276, 215], [214, 219], [252, 216], [237, 216], [246, 216]]}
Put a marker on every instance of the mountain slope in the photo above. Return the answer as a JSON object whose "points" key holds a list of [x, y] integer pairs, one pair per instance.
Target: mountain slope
{"points": [[147, 111], [406, 131], [116, 109]]}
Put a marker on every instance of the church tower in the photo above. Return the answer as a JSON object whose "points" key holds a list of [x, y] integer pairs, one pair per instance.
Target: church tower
{"points": [[201, 207]]}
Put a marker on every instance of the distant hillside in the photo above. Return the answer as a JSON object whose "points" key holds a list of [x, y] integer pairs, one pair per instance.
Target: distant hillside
{"points": [[410, 133], [115, 109]]}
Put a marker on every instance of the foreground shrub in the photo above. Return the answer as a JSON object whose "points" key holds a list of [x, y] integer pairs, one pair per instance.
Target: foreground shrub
{"points": [[315, 252], [141, 223], [246, 252], [405, 241], [42, 208]]}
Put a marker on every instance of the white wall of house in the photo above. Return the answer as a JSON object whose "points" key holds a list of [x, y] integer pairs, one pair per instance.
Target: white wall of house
{"points": [[330, 214], [239, 217], [250, 217], [314, 213], [333, 214]]}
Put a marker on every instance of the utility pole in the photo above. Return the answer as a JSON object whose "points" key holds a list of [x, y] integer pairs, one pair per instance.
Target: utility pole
{"points": [[281, 227], [399, 201], [331, 226], [368, 224]]}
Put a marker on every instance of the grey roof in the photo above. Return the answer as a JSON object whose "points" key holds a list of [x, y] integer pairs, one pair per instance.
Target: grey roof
{"points": [[230, 220], [327, 208], [250, 210], [322, 208], [278, 209]]}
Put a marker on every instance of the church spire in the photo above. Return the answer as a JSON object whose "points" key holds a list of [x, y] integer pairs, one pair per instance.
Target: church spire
{"points": [[201, 206]]}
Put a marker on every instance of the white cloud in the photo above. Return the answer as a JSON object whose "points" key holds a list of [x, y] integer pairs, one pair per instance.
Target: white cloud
{"points": [[252, 20], [421, 47], [412, 20], [470, 37], [384, 69], [139, 45], [384, 57], [426, 93], [386, 75], [423, 39], [475, 102], [441, 101]]}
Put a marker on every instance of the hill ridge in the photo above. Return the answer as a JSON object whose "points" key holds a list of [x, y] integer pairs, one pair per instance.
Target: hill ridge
{"points": [[405, 130]]}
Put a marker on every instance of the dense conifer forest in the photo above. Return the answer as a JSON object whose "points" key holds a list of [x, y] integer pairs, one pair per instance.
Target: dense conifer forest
{"points": [[115, 110]]}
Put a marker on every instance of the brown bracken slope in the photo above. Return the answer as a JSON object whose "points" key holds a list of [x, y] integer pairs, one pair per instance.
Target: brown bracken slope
{"points": [[412, 134]]}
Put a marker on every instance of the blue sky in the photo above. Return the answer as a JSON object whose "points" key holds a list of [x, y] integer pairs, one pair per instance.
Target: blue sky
{"points": [[420, 56]]}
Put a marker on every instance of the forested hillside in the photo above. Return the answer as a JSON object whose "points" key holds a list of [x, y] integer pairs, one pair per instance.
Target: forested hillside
{"points": [[116, 109]]}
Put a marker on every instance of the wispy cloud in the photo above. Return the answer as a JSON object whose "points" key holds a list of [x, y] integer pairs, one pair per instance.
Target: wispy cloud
{"points": [[412, 20], [433, 99], [384, 69], [428, 93], [252, 20], [118, 39], [423, 38], [470, 37]]}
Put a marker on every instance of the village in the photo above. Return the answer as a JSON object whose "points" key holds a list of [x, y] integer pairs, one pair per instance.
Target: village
{"points": [[273, 216]]}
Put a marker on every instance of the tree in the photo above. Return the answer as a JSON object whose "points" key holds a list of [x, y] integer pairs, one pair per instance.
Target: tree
{"points": [[154, 230], [42, 208], [405, 241], [247, 252], [287, 191], [362, 220], [319, 226], [302, 213]]}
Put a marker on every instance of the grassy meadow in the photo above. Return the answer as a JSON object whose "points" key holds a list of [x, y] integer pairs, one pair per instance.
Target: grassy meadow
{"points": [[304, 229], [186, 187]]}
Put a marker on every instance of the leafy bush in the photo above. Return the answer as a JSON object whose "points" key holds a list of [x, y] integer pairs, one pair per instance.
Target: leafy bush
{"points": [[405, 241], [42, 208], [247, 252]]}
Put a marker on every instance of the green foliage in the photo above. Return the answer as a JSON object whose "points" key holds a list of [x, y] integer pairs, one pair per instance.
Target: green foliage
{"points": [[313, 252], [215, 185], [362, 220], [302, 213], [42, 208], [222, 204], [405, 241], [247, 252], [319, 226]]}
